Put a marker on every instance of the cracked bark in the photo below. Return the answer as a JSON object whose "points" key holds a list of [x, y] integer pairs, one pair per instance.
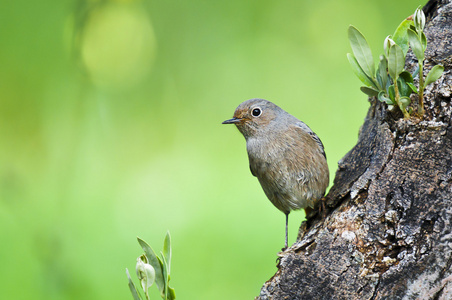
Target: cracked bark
{"points": [[388, 233]]}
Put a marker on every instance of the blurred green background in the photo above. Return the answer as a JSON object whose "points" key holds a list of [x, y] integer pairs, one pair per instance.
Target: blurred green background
{"points": [[110, 128]]}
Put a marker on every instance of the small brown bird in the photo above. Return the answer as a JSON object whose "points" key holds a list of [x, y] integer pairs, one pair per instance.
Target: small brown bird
{"points": [[284, 154]]}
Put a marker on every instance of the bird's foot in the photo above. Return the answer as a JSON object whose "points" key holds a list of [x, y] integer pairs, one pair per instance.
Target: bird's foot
{"points": [[322, 207]]}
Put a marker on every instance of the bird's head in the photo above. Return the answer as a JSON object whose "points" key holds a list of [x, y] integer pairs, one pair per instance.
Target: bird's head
{"points": [[254, 116]]}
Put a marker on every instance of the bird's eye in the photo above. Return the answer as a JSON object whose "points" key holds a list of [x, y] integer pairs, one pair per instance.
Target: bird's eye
{"points": [[256, 112]]}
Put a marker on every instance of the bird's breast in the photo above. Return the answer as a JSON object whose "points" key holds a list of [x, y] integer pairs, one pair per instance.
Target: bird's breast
{"points": [[292, 172]]}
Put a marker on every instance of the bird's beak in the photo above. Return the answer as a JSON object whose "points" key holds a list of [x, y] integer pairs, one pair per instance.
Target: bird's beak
{"points": [[232, 121]]}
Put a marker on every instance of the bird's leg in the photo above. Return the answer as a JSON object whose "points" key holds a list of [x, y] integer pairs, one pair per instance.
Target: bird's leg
{"points": [[287, 221], [322, 207]]}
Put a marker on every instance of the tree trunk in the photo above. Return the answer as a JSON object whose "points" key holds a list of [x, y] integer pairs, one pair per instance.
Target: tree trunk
{"points": [[388, 234]]}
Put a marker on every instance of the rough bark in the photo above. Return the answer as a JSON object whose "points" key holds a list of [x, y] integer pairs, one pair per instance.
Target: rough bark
{"points": [[388, 234]]}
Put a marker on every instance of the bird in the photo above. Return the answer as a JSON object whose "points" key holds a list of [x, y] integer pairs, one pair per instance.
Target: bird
{"points": [[285, 155]]}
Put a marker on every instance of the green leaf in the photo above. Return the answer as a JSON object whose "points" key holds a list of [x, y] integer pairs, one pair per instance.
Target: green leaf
{"points": [[167, 250], [166, 277], [416, 71], [405, 101], [407, 80], [396, 61], [371, 92], [391, 92], [133, 289], [359, 71], [383, 98], [382, 73], [155, 262], [401, 37], [423, 41], [362, 51], [380, 81], [171, 293], [404, 89], [406, 76], [413, 87], [434, 74], [416, 45]]}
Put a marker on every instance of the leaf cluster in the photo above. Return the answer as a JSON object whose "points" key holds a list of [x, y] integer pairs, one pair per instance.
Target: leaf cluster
{"points": [[390, 82], [162, 266]]}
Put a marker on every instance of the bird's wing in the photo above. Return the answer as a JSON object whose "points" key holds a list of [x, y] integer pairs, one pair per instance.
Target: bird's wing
{"points": [[251, 166], [308, 130]]}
